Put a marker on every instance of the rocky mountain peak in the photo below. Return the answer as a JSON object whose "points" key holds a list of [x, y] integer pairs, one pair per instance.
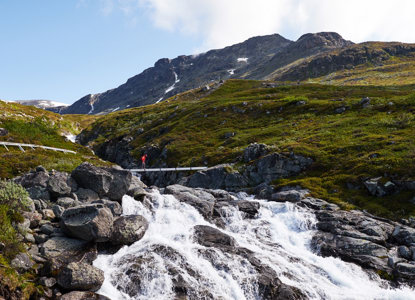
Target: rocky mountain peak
{"points": [[322, 39]]}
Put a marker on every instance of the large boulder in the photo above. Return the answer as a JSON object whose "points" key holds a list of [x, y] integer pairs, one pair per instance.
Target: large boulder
{"points": [[198, 198], [274, 166], [60, 251], [120, 184], [86, 195], [58, 185], [128, 229], [81, 276], [217, 177], [404, 235], [211, 237], [113, 183], [91, 177], [292, 195], [91, 222]]}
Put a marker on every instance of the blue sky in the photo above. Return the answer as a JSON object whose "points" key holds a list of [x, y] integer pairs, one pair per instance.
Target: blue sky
{"points": [[64, 49]]}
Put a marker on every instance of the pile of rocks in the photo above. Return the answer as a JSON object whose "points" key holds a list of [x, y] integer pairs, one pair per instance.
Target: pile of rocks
{"points": [[71, 215]]}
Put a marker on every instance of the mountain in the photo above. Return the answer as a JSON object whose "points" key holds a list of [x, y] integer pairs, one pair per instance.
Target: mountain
{"points": [[43, 104], [255, 58], [359, 138]]}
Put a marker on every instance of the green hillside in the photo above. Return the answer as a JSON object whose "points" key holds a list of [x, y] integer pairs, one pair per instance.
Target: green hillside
{"points": [[361, 142], [28, 124]]}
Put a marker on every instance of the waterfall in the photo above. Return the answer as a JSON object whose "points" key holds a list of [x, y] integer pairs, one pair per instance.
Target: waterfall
{"points": [[167, 258]]}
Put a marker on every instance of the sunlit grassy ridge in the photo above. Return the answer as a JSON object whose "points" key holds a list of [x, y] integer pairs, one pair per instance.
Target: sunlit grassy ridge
{"points": [[361, 142], [28, 124]]}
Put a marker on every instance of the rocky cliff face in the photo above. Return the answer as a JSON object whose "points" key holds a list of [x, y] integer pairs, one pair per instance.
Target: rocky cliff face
{"points": [[255, 58]]}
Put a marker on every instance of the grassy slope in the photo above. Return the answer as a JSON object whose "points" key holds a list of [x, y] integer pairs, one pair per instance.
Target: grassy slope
{"points": [[193, 129], [27, 124]]}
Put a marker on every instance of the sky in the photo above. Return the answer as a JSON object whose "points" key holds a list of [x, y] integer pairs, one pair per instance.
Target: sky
{"points": [[63, 50]]}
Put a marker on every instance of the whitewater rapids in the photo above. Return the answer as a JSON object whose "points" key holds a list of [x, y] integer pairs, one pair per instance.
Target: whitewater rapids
{"points": [[279, 236]]}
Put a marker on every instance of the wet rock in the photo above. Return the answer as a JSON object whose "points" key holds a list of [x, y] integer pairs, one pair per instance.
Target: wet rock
{"points": [[128, 229], [250, 208], [91, 177], [211, 237], [198, 198], [57, 185], [363, 252], [254, 151], [289, 196], [264, 191], [405, 270], [77, 295], [114, 206], [81, 276], [317, 204], [86, 195], [22, 263], [91, 222]]}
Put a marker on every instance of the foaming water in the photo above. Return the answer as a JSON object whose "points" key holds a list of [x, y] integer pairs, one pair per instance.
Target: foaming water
{"points": [[167, 257]]}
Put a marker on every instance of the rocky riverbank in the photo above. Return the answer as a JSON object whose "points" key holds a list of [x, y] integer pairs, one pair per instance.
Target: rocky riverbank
{"points": [[76, 216]]}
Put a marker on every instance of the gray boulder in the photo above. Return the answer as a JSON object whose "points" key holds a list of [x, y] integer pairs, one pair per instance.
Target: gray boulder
{"points": [[198, 198], [58, 186], [67, 202], [376, 188], [81, 276], [86, 195], [249, 208], [405, 270], [91, 222], [404, 235], [120, 183], [58, 211], [128, 229], [211, 237], [91, 177], [274, 166], [289, 196], [217, 177]]}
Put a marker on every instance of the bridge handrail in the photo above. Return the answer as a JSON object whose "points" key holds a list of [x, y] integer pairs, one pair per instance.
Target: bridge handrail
{"points": [[168, 169], [35, 146]]}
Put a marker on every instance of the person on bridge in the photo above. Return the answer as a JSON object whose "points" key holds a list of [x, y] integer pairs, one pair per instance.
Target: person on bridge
{"points": [[143, 160]]}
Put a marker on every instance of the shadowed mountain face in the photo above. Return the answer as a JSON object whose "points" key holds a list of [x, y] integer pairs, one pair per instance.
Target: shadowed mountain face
{"points": [[256, 58]]}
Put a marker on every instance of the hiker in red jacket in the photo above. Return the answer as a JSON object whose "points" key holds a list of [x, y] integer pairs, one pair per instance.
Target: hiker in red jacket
{"points": [[143, 160]]}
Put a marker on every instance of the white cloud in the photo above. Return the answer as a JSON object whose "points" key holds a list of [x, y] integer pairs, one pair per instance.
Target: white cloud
{"points": [[224, 22]]}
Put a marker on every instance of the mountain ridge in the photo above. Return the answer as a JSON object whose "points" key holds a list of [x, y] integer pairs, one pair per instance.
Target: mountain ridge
{"points": [[171, 76]]}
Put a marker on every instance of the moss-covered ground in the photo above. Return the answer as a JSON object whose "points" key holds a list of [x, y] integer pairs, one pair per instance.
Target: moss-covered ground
{"points": [[361, 142], [28, 124]]}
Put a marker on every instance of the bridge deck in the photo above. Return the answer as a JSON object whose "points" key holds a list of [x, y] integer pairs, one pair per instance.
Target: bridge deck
{"points": [[168, 169], [20, 146]]}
